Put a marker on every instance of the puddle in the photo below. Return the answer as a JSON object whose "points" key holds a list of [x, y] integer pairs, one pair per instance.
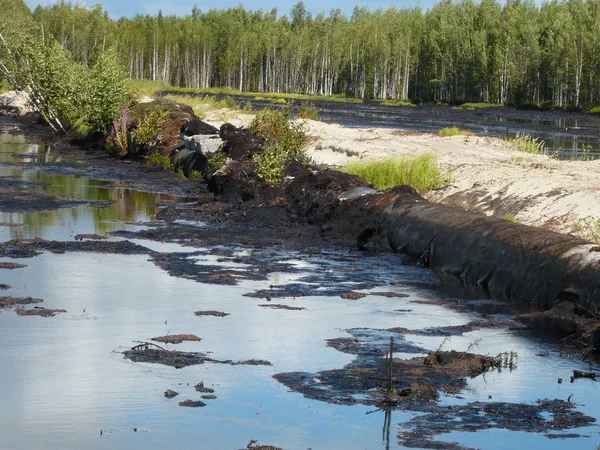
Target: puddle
{"points": [[63, 379]]}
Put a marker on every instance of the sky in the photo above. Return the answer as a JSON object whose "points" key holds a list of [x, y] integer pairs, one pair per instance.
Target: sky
{"points": [[118, 8]]}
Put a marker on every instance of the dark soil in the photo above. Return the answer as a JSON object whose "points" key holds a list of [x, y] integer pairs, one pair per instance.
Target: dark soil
{"points": [[200, 388], [353, 295], [171, 394], [176, 338], [151, 353], [11, 266], [39, 311], [35, 247], [276, 306], [192, 403], [211, 313], [10, 302], [4, 287]]}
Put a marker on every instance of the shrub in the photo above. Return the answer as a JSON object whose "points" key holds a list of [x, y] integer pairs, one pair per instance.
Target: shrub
{"points": [[117, 142], [421, 172], [105, 88], [285, 142], [454, 131], [155, 159], [528, 144], [308, 111], [217, 160], [150, 125]]}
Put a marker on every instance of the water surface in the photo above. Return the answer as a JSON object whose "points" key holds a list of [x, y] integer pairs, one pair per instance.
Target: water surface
{"points": [[63, 379]]}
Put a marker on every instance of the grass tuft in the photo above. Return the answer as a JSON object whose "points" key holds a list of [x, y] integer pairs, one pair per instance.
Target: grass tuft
{"points": [[588, 229], [396, 103], [527, 144], [455, 131], [421, 172], [479, 105]]}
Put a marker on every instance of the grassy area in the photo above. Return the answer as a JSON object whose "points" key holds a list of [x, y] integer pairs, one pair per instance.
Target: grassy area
{"points": [[454, 131], [149, 87], [421, 172], [527, 144], [395, 102], [510, 218], [480, 105], [594, 110], [273, 96]]}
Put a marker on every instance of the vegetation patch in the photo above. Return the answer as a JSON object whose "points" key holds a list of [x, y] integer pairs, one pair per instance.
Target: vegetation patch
{"points": [[285, 142], [308, 111], [588, 229], [158, 161], [396, 103], [527, 144], [454, 131], [479, 105], [422, 172]]}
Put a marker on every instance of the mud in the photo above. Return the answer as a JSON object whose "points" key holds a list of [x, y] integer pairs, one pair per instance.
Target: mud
{"points": [[35, 247], [39, 311], [4, 287], [286, 307], [478, 416], [11, 266], [176, 338], [352, 295], [10, 302], [200, 388], [211, 313], [153, 354], [192, 404], [254, 445], [171, 394]]}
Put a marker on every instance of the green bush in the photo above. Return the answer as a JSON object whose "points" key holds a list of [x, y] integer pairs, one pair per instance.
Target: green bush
{"points": [[155, 159], [528, 144], [217, 160], [150, 125], [285, 142], [421, 172], [308, 111], [454, 131], [63, 92]]}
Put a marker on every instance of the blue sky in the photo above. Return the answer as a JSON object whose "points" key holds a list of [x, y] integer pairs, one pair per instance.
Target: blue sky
{"points": [[118, 8]]}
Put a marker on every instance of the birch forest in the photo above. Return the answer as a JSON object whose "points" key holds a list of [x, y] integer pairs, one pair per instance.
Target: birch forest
{"points": [[518, 52]]}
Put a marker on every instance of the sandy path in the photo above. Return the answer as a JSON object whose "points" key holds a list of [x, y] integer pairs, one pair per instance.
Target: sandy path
{"points": [[489, 175]]}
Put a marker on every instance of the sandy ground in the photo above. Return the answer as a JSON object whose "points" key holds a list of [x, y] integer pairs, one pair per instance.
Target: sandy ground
{"points": [[489, 176]]}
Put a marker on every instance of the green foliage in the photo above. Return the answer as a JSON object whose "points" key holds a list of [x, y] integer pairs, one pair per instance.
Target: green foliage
{"points": [[157, 160], [308, 111], [588, 229], [509, 218], [270, 165], [62, 91], [396, 103], [217, 160], [150, 125], [285, 142], [195, 175], [230, 103], [148, 87], [454, 131], [104, 91], [421, 172], [479, 105], [594, 110], [247, 108], [117, 142], [527, 144]]}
